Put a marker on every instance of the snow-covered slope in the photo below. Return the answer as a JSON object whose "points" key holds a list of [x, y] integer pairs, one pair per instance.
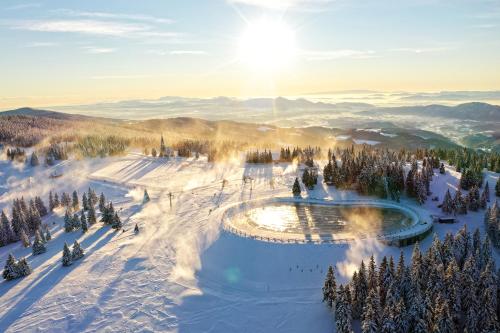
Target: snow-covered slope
{"points": [[181, 273]]}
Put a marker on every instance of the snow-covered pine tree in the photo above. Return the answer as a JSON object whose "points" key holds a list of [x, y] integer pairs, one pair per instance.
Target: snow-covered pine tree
{"points": [[56, 201], [460, 203], [330, 287], [486, 191], [77, 252], [421, 191], [68, 222], [85, 203], [497, 188], [91, 215], [370, 323], [443, 321], [34, 218], [343, 317], [91, 197], [65, 200], [34, 160], [442, 170], [146, 197], [102, 203], [38, 246], [75, 204], [473, 198], [24, 238], [483, 202], [10, 271], [372, 275], [75, 221], [83, 223], [6, 233], [23, 267], [447, 205], [66, 258], [488, 299], [296, 188], [117, 222], [51, 202], [40, 206]]}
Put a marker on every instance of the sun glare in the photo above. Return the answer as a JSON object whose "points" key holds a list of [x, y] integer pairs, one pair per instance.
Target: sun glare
{"points": [[267, 45]]}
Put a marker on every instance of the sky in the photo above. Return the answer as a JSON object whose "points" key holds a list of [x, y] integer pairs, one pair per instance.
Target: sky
{"points": [[63, 52]]}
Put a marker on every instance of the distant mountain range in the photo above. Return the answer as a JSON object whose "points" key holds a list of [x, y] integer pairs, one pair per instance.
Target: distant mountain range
{"points": [[475, 124]]}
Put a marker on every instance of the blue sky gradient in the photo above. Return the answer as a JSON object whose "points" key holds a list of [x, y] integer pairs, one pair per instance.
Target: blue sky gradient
{"points": [[60, 52]]}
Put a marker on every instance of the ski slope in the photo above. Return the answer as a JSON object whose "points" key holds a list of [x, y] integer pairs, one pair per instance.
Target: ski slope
{"points": [[181, 273]]}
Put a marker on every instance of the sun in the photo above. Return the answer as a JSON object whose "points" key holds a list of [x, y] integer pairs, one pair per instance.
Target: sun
{"points": [[267, 45]]}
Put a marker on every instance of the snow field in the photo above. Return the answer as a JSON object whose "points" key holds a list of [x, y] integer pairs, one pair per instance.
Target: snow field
{"points": [[181, 273]]}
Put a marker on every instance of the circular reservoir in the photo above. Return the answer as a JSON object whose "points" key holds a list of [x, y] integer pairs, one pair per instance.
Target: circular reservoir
{"points": [[319, 220]]}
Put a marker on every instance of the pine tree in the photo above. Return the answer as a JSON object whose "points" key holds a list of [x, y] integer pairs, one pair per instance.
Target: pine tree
{"points": [[474, 198], [56, 201], [296, 188], [34, 218], [65, 200], [68, 222], [10, 271], [66, 258], [329, 288], [117, 222], [483, 202], [343, 316], [91, 215], [92, 197], [75, 204], [7, 234], [85, 203], [497, 188], [34, 160], [75, 221], [146, 197], [421, 191], [23, 267], [102, 203], [77, 251], [38, 246], [442, 170], [370, 323], [447, 205], [52, 204], [24, 239], [486, 191], [443, 321], [40, 206], [83, 222]]}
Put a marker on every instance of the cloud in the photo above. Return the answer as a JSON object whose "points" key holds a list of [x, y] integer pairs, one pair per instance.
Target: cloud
{"points": [[457, 96], [42, 44], [98, 50], [176, 52], [420, 50], [92, 27], [187, 52], [337, 54], [114, 16], [24, 6], [283, 4]]}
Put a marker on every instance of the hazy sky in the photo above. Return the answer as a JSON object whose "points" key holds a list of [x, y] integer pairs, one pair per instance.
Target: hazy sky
{"points": [[62, 52]]}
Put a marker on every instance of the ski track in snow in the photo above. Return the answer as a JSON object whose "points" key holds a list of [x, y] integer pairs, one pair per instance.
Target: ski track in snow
{"points": [[181, 273]]}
